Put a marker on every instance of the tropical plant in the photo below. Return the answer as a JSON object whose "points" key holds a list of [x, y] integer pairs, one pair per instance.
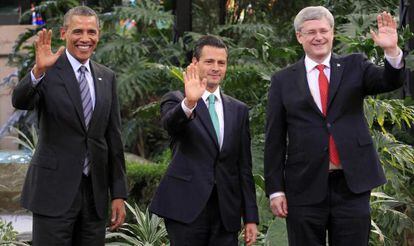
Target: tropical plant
{"points": [[28, 142], [146, 229], [8, 236]]}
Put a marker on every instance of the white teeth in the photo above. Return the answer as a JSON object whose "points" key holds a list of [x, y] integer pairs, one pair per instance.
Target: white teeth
{"points": [[83, 47]]}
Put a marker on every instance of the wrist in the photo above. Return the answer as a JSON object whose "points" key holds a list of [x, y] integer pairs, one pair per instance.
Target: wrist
{"points": [[189, 103], [392, 52], [38, 72]]}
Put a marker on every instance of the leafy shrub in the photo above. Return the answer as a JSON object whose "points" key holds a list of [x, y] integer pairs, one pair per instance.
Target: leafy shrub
{"points": [[143, 180]]}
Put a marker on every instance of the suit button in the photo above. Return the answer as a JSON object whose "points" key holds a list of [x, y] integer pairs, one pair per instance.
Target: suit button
{"points": [[328, 125], [325, 149]]}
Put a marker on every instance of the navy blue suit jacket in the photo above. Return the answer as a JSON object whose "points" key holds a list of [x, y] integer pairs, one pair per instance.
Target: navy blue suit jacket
{"points": [[297, 133], [198, 164]]}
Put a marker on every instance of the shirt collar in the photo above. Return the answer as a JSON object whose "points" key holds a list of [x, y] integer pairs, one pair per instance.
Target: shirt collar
{"points": [[75, 63], [216, 93], [311, 64]]}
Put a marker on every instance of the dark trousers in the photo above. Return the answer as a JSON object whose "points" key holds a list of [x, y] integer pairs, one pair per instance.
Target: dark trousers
{"points": [[345, 215], [79, 226], [206, 230]]}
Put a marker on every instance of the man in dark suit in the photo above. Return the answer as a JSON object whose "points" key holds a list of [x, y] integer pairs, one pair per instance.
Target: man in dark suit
{"points": [[79, 157], [209, 185], [320, 162]]}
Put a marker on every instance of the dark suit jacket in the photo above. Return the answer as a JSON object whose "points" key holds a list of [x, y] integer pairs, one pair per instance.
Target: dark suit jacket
{"points": [[296, 149], [198, 164], [55, 171]]}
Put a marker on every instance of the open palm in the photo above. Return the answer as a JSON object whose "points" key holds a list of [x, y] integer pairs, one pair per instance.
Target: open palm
{"points": [[45, 58], [387, 37]]}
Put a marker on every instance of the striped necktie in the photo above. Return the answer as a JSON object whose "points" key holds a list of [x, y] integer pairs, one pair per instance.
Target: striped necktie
{"points": [[87, 107]]}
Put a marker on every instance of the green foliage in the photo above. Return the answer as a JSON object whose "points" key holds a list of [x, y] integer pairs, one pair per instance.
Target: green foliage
{"points": [[143, 180], [147, 229], [7, 232], [27, 142]]}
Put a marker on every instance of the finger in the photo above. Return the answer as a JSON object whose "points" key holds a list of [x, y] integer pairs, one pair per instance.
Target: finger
{"points": [[44, 36], [49, 37], [195, 72], [379, 21], [384, 18], [285, 207], [279, 210], [36, 44], [203, 83], [39, 37]]}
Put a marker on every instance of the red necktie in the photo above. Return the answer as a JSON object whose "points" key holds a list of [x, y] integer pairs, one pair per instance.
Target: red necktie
{"points": [[323, 90]]}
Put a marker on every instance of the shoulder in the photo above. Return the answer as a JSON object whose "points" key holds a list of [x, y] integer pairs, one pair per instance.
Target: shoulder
{"points": [[101, 68], [289, 71], [173, 96], [353, 58], [235, 102]]}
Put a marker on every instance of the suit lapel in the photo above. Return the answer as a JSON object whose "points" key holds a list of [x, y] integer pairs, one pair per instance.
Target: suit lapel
{"points": [[70, 81], [335, 80], [203, 114], [99, 92], [228, 112], [303, 85]]}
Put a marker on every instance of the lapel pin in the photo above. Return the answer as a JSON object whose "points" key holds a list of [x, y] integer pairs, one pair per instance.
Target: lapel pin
{"points": [[338, 65], [99, 78]]}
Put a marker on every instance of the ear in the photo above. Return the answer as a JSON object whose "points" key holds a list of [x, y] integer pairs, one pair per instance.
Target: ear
{"points": [[299, 37], [194, 60], [62, 33]]}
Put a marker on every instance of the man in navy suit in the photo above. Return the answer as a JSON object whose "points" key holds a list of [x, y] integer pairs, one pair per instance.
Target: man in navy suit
{"points": [[79, 158], [320, 161], [208, 186]]}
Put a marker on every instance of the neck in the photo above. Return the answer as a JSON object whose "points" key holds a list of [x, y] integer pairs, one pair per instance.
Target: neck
{"points": [[211, 87]]}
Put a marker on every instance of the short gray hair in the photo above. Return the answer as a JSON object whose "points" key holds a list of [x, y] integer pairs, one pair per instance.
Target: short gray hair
{"points": [[81, 11], [312, 13]]}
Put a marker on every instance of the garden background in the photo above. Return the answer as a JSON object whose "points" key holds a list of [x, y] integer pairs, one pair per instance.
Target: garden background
{"points": [[140, 42]]}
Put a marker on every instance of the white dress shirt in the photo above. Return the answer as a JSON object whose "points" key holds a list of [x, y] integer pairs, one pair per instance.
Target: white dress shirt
{"points": [[75, 66], [312, 75], [218, 106]]}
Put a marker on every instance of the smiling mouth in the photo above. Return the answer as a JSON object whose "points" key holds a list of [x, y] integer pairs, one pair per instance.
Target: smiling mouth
{"points": [[84, 47]]}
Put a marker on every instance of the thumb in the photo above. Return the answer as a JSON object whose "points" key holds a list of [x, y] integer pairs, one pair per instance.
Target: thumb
{"points": [[373, 35], [60, 51], [113, 215], [204, 82]]}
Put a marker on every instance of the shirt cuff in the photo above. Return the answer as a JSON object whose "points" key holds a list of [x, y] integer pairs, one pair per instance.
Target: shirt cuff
{"points": [[396, 61], [187, 111], [34, 80], [276, 194]]}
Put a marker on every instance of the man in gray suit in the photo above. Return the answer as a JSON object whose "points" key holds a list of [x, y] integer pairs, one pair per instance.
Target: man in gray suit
{"points": [[79, 157]]}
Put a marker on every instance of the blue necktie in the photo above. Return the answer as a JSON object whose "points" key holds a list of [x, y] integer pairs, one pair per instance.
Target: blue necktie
{"points": [[213, 115], [87, 107]]}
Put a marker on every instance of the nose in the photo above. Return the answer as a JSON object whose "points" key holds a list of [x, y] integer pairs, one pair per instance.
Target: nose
{"points": [[215, 66]]}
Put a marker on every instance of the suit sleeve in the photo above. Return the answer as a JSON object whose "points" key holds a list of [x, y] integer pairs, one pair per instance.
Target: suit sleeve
{"points": [[275, 140], [381, 79], [26, 95], [173, 117], [250, 211], [117, 177]]}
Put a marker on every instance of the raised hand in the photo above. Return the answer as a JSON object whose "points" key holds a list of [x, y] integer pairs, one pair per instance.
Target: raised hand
{"points": [[45, 58], [194, 85], [387, 37]]}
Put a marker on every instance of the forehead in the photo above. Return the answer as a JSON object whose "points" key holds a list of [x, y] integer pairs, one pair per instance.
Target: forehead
{"points": [[80, 21], [316, 24], [215, 53]]}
